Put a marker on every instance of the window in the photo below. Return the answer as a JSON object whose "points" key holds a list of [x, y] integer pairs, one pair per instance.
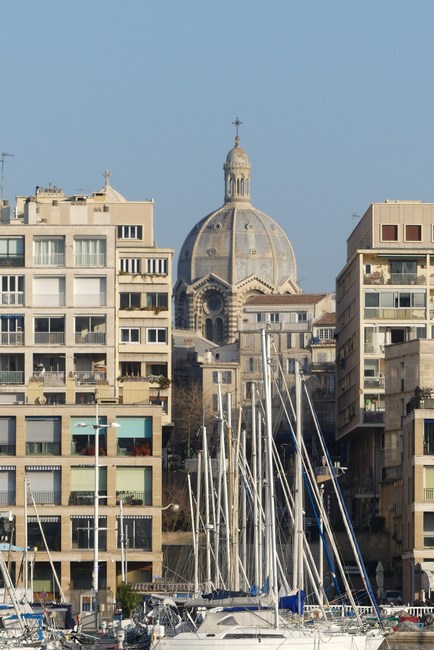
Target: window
{"points": [[157, 266], [49, 291], [12, 329], [89, 251], [90, 292], [7, 437], [11, 251], [130, 335], [290, 366], [158, 300], [90, 329], [137, 530], [274, 318], [413, 232], [326, 333], [49, 251], [130, 300], [129, 232], [302, 316], [134, 438], [134, 484], [131, 369], [50, 330], [44, 483], [83, 532], [260, 317], [51, 527], [12, 290], [428, 529], [421, 332], [156, 334], [389, 232], [225, 377], [130, 265], [83, 476], [43, 434], [429, 483], [428, 436], [7, 485]]}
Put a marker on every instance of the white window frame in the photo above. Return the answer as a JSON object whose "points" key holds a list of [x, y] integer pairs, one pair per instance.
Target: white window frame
{"points": [[12, 294], [157, 266], [130, 232], [130, 264], [419, 225], [158, 331], [129, 331]]}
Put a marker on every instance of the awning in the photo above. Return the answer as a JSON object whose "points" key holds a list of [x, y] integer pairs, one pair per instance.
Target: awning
{"points": [[11, 315], [427, 569], [403, 256]]}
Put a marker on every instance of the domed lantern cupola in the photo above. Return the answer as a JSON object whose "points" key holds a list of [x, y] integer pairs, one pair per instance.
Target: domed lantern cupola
{"points": [[237, 173]]}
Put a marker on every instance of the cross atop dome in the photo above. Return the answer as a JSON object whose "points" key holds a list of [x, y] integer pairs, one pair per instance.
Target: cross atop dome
{"points": [[106, 175], [237, 124]]}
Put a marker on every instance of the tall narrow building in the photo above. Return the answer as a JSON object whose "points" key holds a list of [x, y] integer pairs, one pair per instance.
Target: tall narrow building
{"points": [[85, 342]]}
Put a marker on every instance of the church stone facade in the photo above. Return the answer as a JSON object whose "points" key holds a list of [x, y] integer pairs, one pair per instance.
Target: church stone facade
{"points": [[232, 254]]}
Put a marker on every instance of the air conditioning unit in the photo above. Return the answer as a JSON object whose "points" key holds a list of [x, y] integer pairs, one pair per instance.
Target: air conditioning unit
{"points": [[108, 400]]}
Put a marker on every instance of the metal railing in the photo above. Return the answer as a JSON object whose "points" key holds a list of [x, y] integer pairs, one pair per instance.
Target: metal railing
{"points": [[50, 338], [94, 300], [89, 377], [428, 494], [7, 498], [43, 448], [91, 337], [373, 382], [49, 300], [49, 498], [7, 450], [53, 259], [11, 260], [97, 259], [11, 338], [12, 298], [428, 541], [134, 498], [406, 278], [391, 313], [12, 377], [77, 498]]}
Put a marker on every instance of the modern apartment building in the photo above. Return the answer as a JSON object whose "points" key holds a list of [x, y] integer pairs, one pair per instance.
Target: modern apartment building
{"points": [[384, 295], [85, 315]]}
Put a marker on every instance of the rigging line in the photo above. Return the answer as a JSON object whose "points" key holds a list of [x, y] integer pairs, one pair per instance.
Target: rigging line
{"points": [[344, 511]]}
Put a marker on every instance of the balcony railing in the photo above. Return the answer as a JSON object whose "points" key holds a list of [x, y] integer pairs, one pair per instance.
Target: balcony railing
{"points": [[51, 377], [79, 448], [406, 278], [428, 494], [428, 447], [373, 417], [11, 260], [390, 313], [7, 450], [49, 498], [91, 300], [50, 338], [373, 349], [12, 377], [78, 498], [43, 448], [373, 382], [55, 259], [89, 377], [97, 259], [91, 337], [134, 498], [52, 300], [12, 298], [11, 338], [7, 498]]}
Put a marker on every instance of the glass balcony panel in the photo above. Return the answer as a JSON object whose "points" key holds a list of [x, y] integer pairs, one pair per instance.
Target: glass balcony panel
{"points": [[50, 338]]}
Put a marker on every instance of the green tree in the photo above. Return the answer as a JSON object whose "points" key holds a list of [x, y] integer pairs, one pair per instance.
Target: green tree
{"points": [[127, 599]]}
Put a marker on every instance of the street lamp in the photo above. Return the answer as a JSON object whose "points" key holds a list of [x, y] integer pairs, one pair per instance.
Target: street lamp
{"points": [[173, 506], [97, 428]]}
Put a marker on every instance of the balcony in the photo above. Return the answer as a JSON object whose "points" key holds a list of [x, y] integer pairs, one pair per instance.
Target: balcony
{"points": [[373, 382], [97, 259], [50, 377], [11, 260], [428, 540], [43, 448], [373, 417], [50, 338], [52, 300], [7, 498], [55, 259], [91, 300], [134, 498], [428, 494], [12, 298], [7, 450], [370, 348], [86, 498], [390, 313], [406, 278], [11, 338], [89, 377], [98, 338], [12, 377], [46, 498]]}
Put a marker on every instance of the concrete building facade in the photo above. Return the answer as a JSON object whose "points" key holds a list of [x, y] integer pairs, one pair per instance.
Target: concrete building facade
{"points": [[85, 315]]}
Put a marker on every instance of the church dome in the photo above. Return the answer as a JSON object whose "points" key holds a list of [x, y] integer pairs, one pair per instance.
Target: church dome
{"points": [[237, 241]]}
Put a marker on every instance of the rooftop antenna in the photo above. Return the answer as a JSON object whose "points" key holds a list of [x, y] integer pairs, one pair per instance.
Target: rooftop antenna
{"points": [[2, 164], [355, 217]]}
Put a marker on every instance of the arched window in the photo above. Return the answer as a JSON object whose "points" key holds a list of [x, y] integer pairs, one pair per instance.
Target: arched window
{"points": [[242, 186], [219, 330], [208, 329], [231, 186]]}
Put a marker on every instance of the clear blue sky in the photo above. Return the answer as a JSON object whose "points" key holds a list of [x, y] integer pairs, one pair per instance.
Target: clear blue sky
{"points": [[336, 99]]}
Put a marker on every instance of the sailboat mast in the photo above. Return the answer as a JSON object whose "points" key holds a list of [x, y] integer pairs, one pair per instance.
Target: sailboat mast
{"points": [[207, 523], [298, 489]]}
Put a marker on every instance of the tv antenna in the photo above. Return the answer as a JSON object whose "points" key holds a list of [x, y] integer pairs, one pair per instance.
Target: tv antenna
{"points": [[2, 165]]}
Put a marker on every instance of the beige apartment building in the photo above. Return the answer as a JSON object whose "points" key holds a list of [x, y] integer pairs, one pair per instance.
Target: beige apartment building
{"points": [[384, 295], [85, 315], [408, 501]]}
